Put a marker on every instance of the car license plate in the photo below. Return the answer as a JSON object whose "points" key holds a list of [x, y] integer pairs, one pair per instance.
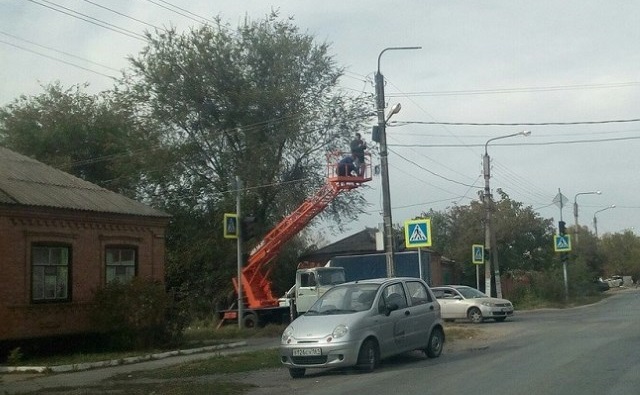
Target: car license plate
{"points": [[305, 352]]}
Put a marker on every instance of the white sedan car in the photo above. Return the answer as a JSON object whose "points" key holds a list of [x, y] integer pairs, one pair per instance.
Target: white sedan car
{"points": [[460, 301], [361, 322]]}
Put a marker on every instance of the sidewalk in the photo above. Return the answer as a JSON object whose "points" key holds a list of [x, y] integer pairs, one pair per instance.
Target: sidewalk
{"points": [[38, 378]]}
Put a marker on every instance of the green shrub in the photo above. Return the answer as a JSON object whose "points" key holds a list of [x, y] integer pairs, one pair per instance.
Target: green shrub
{"points": [[15, 356], [138, 314]]}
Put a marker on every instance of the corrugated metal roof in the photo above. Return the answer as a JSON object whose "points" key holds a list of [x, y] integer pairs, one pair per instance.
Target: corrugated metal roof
{"points": [[25, 181]]}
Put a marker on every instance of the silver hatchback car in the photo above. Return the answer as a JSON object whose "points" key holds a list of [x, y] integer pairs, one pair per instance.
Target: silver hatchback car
{"points": [[361, 322]]}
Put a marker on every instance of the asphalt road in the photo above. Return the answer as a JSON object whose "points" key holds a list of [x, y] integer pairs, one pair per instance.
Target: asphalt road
{"points": [[587, 350]]}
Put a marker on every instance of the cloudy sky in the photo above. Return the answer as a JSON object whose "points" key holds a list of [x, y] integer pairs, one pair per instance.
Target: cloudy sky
{"points": [[568, 71]]}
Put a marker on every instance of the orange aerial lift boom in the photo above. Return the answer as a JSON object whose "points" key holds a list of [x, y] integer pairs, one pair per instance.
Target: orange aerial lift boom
{"points": [[256, 283]]}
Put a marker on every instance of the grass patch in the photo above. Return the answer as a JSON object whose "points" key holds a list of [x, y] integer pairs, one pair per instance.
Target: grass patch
{"points": [[194, 336], [163, 388], [78, 358], [530, 302], [455, 332], [234, 363], [207, 332]]}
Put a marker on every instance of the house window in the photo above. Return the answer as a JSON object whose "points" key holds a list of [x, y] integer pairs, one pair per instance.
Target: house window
{"points": [[50, 273], [121, 264]]}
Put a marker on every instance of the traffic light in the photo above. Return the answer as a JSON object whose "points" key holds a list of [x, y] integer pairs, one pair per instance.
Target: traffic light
{"points": [[561, 228], [248, 227]]}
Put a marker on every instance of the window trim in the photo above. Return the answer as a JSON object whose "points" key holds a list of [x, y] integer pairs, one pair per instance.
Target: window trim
{"points": [[69, 276], [121, 247]]}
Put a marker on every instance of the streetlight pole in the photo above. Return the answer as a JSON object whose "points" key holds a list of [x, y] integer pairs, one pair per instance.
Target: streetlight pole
{"points": [[488, 229], [575, 210], [595, 220], [384, 162]]}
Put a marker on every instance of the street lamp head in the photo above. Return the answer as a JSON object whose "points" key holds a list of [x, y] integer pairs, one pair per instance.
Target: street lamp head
{"points": [[394, 110], [523, 133], [603, 209], [393, 49]]}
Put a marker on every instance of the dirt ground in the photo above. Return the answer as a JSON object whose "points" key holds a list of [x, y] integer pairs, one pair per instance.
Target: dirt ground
{"points": [[468, 337]]}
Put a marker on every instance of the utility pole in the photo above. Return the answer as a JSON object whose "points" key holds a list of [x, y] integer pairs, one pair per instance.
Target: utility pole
{"points": [[489, 234], [384, 164], [576, 231], [486, 200], [561, 200], [239, 253]]}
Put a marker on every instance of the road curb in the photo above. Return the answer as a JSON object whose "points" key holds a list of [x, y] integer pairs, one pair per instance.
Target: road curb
{"points": [[116, 362]]}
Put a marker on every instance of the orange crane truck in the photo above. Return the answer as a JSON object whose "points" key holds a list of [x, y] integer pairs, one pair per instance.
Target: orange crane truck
{"points": [[261, 306]]}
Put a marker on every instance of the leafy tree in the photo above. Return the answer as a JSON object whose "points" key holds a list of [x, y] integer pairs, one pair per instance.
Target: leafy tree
{"points": [[622, 254], [523, 238], [260, 102], [95, 137], [586, 250]]}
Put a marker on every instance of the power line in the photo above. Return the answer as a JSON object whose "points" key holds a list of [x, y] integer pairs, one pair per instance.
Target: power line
{"points": [[517, 123], [58, 60], [517, 90], [185, 13], [122, 14], [61, 52], [86, 18], [519, 144], [433, 173]]}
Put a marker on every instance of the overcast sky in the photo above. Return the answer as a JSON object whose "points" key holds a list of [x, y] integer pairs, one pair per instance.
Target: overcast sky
{"points": [[568, 71]]}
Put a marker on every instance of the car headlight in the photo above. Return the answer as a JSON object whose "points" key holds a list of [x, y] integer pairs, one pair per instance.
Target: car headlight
{"points": [[286, 335], [339, 331], [488, 304]]}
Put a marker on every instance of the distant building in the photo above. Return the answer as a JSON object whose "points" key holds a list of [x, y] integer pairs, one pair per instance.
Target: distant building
{"points": [[369, 242], [61, 238]]}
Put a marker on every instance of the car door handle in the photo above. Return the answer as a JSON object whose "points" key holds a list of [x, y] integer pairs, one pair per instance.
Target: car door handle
{"points": [[407, 312], [431, 307]]}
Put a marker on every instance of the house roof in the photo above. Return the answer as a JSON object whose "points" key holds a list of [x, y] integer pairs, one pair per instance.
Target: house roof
{"points": [[360, 243], [26, 182], [363, 242]]}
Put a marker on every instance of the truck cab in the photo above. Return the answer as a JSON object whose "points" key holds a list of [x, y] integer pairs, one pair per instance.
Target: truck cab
{"points": [[310, 285]]}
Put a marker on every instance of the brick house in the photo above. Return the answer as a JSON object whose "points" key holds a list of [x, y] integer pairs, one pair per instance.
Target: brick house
{"points": [[369, 242], [60, 239]]}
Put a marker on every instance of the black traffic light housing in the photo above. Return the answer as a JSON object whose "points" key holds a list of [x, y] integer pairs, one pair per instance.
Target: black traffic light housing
{"points": [[375, 134], [562, 230]]}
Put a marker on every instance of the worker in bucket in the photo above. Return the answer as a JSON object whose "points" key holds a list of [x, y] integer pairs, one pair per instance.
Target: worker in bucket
{"points": [[347, 167], [357, 148]]}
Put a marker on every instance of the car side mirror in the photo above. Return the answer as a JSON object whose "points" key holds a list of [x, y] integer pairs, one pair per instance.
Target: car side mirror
{"points": [[391, 307]]}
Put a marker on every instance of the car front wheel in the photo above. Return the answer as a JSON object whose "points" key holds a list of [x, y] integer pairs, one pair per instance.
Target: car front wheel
{"points": [[368, 356], [296, 373], [474, 315]]}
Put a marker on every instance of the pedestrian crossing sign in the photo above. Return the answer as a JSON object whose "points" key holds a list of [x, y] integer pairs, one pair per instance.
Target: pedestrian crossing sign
{"points": [[417, 233], [230, 226], [562, 243], [477, 254]]}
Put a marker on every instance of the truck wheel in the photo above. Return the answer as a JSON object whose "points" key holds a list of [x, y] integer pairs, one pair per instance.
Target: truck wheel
{"points": [[296, 373], [250, 321]]}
